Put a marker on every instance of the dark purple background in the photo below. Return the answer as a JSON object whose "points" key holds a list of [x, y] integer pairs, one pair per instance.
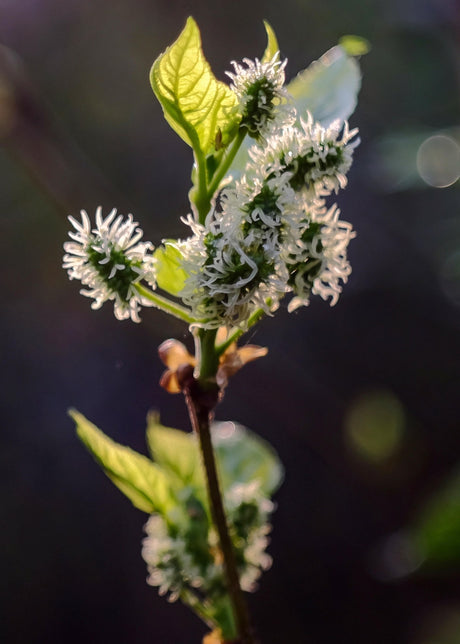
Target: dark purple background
{"points": [[81, 127]]}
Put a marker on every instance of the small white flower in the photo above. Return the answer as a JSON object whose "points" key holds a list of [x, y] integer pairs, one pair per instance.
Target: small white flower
{"points": [[110, 259], [235, 260], [256, 558], [160, 552], [320, 263], [170, 566], [230, 276], [317, 159], [248, 511], [272, 233], [262, 97], [178, 565]]}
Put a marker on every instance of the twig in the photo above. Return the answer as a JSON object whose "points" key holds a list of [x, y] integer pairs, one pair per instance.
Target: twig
{"points": [[201, 403]]}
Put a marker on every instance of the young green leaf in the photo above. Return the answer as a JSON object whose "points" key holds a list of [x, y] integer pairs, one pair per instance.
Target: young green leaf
{"points": [[241, 456], [175, 451], [355, 45], [272, 43], [244, 457], [328, 88], [194, 102], [170, 275], [143, 482]]}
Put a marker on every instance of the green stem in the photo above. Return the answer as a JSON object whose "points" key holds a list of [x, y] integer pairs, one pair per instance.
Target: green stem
{"points": [[166, 305], [205, 193], [237, 333], [189, 596], [226, 162], [202, 202], [207, 358]]}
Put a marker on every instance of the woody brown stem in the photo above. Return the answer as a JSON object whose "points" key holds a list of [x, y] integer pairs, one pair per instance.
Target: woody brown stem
{"points": [[201, 403]]}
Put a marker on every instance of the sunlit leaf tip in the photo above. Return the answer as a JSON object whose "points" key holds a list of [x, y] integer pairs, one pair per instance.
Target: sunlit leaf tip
{"points": [[142, 481], [355, 45], [272, 43]]}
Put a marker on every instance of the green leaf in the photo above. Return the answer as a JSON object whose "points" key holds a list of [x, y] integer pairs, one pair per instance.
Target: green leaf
{"points": [[328, 88], [241, 456], [355, 45], [175, 451], [194, 102], [143, 482], [244, 457], [272, 44], [170, 275], [436, 533]]}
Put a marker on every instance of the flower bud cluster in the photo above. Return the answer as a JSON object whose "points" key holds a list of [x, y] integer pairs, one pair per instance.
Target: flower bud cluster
{"points": [[316, 158], [270, 235], [248, 512], [259, 87], [183, 557], [110, 260], [273, 234]]}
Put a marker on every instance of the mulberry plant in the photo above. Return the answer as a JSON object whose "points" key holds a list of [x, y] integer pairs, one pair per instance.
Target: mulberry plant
{"points": [[261, 233]]}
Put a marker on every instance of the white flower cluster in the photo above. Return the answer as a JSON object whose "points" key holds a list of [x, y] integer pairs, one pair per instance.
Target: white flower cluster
{"points": [[170, 565], [273, 233], [110, 260], [249, 511], [260, 90], [270, 235], [180, 565], [316, 158]]}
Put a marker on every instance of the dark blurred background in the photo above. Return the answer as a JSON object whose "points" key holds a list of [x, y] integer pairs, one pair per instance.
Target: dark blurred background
{"points": [[361, 401]]}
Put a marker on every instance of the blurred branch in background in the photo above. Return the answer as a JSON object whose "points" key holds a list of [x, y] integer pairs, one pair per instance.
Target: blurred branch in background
{"points": [[31, 134], [418, 159]]}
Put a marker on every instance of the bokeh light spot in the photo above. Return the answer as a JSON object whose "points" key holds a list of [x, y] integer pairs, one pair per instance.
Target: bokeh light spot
{"points": [[438, 161], [395, 557], [374, 425]]}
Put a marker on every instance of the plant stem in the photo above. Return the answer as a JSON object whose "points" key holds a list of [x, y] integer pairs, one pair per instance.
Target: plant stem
{"points": [[202, 396], [226, 162], [207, 358], [205, 194], [202, 202], [237, 333], [165, 304], [200, 417]]}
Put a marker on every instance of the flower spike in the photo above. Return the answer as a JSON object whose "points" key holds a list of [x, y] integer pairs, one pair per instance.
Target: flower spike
{"points": [[261, 94], [110, 259]]}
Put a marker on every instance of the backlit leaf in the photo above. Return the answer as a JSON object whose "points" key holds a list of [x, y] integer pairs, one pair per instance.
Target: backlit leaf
{"points": [[196, 105], [355, 45], [241, 456], [328, 88], [272, 43], [176, 451], [143, 482], [170, 275], [244, 457]]}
